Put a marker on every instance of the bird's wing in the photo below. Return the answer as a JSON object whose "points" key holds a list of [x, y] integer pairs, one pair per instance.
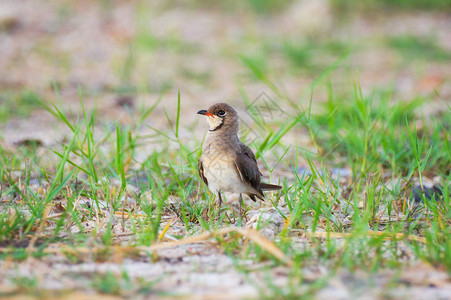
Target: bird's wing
{"points": [[201, 171], [248, 152], [246, 165]]}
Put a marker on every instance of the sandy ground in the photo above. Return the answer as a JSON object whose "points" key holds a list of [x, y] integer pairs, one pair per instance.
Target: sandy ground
{"points": [[196, 50]]}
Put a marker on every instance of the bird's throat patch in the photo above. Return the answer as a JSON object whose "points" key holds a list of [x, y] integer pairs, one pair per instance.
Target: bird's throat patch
{"points": [[215, 123]]}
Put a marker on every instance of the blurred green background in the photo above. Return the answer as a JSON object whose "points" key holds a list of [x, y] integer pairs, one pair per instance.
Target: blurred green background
{"points": [[129, 52]]}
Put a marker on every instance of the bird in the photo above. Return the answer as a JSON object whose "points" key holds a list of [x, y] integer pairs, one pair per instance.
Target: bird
{"points": [[226, 164]]}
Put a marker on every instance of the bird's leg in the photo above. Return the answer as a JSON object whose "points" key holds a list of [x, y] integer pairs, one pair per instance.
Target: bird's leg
{"points": [[241, 206], [220, 199], [220, 203], [241, 209]]}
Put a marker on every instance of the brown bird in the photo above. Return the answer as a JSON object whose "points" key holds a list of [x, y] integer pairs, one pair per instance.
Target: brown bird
{"points": [[226, 164]]}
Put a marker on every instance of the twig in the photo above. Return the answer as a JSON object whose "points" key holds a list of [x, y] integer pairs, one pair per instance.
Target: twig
{"points": [[387, 236], [250, 234]]}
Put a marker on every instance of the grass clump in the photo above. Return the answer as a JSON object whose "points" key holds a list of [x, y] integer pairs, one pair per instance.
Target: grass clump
{"points": [[376, 132], [412, 47], [18, 104]]}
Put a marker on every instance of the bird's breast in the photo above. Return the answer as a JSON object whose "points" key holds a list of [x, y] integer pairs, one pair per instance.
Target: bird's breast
{"points": [[221, 173]]}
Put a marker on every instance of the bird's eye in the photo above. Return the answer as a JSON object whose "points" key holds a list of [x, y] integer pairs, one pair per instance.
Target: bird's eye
{"points": [[221, 113]]}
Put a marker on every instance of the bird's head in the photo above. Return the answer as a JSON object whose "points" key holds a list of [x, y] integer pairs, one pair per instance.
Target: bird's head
{"points": [[221, 117]]}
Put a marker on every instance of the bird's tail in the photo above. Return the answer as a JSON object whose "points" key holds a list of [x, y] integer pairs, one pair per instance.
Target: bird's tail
{"points": [[269, 187]]}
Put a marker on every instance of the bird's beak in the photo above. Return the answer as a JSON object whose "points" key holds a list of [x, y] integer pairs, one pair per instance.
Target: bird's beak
{"points": [[205, 113]]}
